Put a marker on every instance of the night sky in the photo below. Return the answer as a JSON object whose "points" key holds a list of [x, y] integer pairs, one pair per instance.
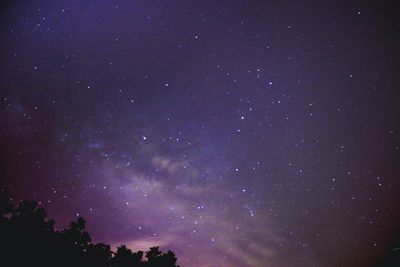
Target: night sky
{"points": [[235, 133]]}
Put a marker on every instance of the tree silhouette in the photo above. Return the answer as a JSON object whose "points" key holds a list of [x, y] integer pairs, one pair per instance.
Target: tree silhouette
{"points": [[27, 238], [124, 257], [99, 255], [156, 258]]}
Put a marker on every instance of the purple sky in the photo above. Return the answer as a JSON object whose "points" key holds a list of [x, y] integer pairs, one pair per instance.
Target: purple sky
{"points": [[236, 133]]}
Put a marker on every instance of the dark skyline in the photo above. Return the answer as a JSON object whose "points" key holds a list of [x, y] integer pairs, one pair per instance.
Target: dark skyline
{"points": [[235, 133]]}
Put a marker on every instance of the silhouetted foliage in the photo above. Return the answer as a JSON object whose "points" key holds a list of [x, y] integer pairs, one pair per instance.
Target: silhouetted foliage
{"points": [[27, 238], [124, 257]]}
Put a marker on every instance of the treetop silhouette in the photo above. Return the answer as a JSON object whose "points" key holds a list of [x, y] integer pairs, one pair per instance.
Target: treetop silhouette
{"points": [[28, 238]]}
